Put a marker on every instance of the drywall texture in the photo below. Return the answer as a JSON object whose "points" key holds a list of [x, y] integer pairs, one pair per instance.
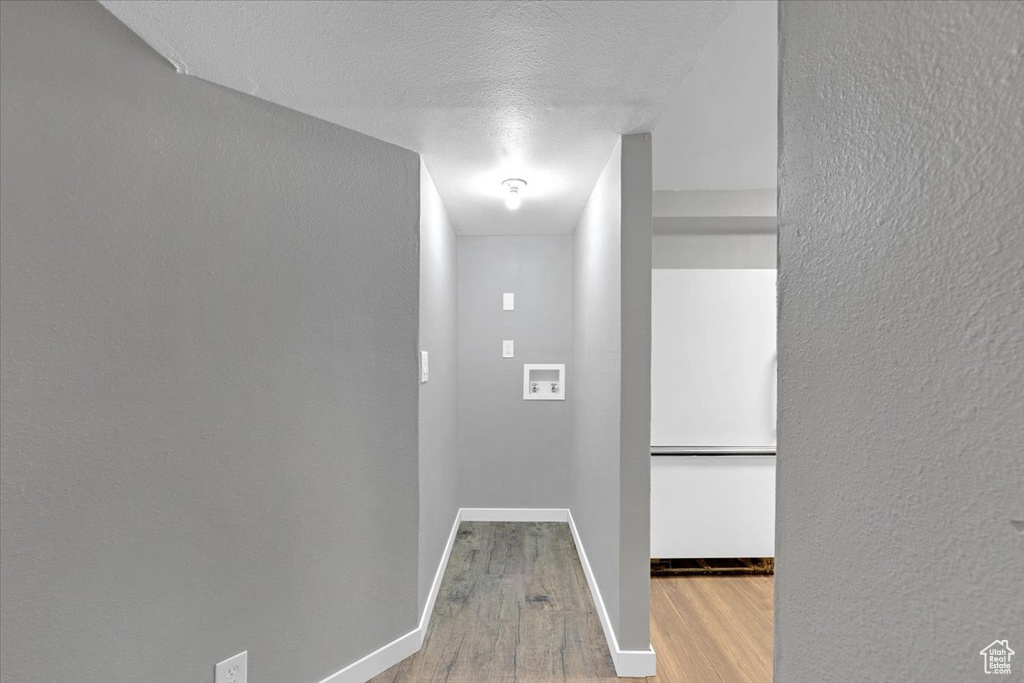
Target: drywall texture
{"points": [[716, 250], [483, 90], [209, 393], [439, 336], [901, 390], [513, 453], [609, 476]]}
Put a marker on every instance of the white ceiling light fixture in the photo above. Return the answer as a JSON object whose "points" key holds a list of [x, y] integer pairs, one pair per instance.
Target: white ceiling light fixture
{"points": [[512, 197]]}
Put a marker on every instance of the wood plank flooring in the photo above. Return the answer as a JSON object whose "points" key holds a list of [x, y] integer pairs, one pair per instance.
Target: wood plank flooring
{"points": [[514, 607], [712, 629]]}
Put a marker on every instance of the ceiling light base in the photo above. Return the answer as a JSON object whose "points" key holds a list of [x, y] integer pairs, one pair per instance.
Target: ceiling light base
{"points": [[513, 198]]}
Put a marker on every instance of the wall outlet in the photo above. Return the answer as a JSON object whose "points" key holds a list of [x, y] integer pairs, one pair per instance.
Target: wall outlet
{"points": [[424, 367], [508, 301], [233, 670], [508, 349]]}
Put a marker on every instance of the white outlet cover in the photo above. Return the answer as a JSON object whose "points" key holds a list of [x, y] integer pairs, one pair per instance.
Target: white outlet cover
{"points": [[233, 670], [508, 348], [508, 301], [424, 367]]}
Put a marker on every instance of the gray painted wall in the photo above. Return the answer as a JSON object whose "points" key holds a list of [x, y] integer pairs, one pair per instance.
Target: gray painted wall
{"points": [[209, 397], [610, 464], [635, 414], [901, 338], [597, 343], [439, 336], [710, 250], [513, 453]]}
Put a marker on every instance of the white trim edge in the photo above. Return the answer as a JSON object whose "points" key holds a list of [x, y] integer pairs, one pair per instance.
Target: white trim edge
{"points": [[379, 660], [386, 657], [435, 587], [514, 514], [628, 663]]}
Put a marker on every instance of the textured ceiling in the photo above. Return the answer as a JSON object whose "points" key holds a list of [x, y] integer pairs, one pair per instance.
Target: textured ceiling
{"points": [[483, 90], [720, 130]]}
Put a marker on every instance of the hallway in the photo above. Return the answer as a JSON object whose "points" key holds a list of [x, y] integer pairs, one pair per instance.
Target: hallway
{"points": [[318, 316], [514, 607]]}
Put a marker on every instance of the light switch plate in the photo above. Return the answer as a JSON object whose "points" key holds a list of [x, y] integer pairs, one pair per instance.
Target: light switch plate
{"points": [[508, 349], [424, 367], [508, 301], [233, 670]]}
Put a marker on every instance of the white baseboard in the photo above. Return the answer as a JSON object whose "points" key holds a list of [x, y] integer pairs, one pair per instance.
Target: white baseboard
{"points": [[514, 514], [435, 587], [379, 660], [386, 657], [628, 663]]}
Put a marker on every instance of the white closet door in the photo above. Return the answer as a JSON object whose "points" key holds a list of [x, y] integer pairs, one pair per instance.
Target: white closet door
{"points": [[713, 359]]}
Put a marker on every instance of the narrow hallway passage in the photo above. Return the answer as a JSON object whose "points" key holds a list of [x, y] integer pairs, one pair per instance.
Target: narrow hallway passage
{"points": [[434, 341], [514, 607]]}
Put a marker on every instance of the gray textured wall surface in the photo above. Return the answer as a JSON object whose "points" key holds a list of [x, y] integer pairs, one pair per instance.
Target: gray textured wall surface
{"points": [[513, 453], [439, 336], [209, 397], [597, 359], [901, 338]]}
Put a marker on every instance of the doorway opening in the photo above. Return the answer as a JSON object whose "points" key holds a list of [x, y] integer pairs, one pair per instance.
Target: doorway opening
{"points": [[714, 362]]}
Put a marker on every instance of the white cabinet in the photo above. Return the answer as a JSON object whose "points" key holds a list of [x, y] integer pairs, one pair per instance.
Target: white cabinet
{"points": [[713, 358], [712, 506]]}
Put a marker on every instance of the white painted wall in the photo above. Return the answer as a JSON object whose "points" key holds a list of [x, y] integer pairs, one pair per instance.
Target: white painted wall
{"points": [[901, 339], [719, 132]]}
